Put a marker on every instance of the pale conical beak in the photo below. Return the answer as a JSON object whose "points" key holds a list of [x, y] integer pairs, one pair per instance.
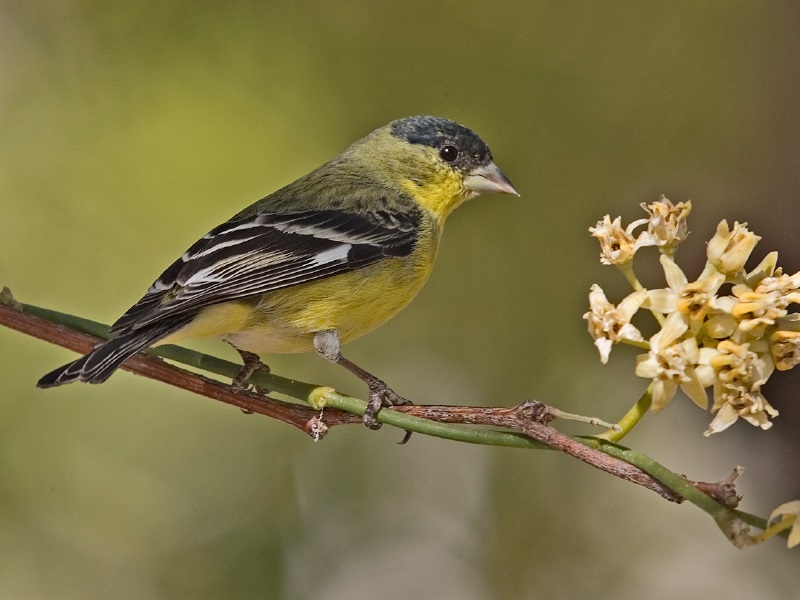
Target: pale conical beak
{"points": [[488, 179]]}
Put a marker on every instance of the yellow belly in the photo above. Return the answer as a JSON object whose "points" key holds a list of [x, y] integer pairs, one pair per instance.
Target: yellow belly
{"points": [[285, 321]]}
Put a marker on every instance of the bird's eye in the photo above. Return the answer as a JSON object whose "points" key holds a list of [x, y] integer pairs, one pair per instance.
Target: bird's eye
{"points": [[448, 153]]}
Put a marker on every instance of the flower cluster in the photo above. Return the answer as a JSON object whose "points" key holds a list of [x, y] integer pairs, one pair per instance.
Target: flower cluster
{"points": [[731, 343]]}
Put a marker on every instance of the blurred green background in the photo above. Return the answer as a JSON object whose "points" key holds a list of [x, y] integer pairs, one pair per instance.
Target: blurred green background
{"points": [[129, 129]]}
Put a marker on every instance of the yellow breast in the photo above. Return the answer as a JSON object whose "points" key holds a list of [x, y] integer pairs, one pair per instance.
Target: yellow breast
{"points": [[285, 321]]}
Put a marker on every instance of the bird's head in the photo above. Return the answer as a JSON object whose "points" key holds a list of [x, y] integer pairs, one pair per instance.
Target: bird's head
{"points": [[439, 162]]}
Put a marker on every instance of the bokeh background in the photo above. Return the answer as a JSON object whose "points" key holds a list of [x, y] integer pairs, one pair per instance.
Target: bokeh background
{"points": [[128, 129]]}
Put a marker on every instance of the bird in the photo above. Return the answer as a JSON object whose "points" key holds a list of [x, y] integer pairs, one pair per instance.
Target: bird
{"points": [[317, 263]]}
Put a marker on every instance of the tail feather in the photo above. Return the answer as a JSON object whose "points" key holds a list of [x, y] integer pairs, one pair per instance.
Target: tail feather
{"points": [[100, 363]]}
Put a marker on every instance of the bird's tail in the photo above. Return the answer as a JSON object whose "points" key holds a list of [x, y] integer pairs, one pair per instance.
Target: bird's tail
{"points": [[100, 363]]}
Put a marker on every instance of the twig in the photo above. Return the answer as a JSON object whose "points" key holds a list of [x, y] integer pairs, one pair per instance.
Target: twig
{"points": [[529, 418], [153, 367]]}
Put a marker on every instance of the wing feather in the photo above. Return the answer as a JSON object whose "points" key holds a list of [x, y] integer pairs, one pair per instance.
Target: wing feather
{"points": [[269, 251]]}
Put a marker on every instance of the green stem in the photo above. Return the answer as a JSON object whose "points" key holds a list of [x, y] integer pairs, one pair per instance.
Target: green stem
{"points": [[631, 418], [644, 345], [305, 392], [727, 519], [627, 271], [447, 431]]}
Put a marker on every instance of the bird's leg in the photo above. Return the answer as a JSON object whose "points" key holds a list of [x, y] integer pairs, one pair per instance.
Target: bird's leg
{"points": [[328, 346], [251, 364]]}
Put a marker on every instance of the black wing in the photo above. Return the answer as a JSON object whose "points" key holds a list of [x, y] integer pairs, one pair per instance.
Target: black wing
{"points": [[265, 252]]}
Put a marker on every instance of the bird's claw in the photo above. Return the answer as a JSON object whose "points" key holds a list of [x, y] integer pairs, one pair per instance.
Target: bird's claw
{"points": [[252, 364], [374, 406], [381, 395]]}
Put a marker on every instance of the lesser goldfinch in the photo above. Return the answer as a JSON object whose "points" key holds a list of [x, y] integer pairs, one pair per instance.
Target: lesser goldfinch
{"points": [[317, 263]]}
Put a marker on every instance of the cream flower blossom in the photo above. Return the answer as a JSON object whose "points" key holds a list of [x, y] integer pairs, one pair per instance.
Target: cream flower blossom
{"points": [[734, 402], [692, 300], [785, 349], [786, 286], [617, 245], [740, 373], [672, 365], [609, 324], [739, 364], [729, 250], [732, 342], [756, 310], [666, 227]]}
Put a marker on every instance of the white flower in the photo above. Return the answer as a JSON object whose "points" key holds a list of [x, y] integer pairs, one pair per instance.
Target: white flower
{"points": [[692, 300], [733, 402], [732, 342], [617, 245], [674, 365], [728, 250], [666, 227], [609, 324], [741, 371], [740, 364], [785, 285], [785, 349], [755, 310]]}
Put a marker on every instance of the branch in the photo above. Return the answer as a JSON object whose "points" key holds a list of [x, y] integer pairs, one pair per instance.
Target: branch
{"points": [[153, 367], [531, 418], [528, 421]]}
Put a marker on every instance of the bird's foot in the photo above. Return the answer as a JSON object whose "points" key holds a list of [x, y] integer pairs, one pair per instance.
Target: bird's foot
{"points": [[380, 395], [252, 364], [327, 344]]}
